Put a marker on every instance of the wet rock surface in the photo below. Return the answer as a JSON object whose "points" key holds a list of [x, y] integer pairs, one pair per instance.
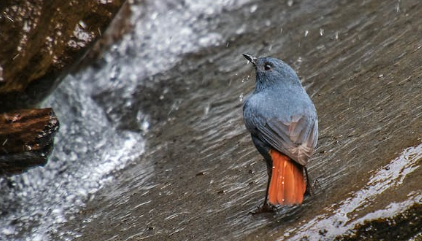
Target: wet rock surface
{"points": [[26, 139], [403, 226], [120, 26], [360, 64], [41, 40]]}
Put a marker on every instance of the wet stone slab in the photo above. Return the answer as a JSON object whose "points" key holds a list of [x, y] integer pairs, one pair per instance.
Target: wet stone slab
{"points": [[41, 41], [200, 174]]}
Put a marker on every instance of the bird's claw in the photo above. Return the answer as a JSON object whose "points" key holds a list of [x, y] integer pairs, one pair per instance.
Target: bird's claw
{"points": [[265, 208], [310, 189]]}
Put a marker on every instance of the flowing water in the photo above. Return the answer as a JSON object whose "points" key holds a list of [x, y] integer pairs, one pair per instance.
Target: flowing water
{"points": [[152, 144]]}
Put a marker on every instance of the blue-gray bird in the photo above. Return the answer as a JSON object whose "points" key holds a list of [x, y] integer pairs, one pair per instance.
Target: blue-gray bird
{"points": [[283, 124]]}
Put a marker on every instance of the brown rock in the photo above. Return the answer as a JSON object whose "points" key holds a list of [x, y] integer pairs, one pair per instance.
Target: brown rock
{"points": [[41, 40], [120, 25], [26, 139]]}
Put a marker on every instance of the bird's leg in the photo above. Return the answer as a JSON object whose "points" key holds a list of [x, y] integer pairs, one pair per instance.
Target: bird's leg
{"points": [[265, 206], [309, 189]]}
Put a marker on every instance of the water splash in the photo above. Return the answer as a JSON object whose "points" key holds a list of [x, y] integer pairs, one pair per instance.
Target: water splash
{"points": [[163, 32], [89, 146], [87, 150]]}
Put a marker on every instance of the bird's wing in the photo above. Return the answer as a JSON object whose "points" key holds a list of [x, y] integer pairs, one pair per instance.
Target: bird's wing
{"points": [[296, 138]]}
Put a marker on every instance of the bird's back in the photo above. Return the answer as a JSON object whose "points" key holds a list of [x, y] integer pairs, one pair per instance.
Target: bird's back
{"points": [[280, 102], [284, 118]]}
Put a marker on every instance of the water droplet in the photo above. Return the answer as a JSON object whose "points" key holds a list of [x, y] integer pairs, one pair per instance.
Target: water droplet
{"points": [[321, 31], [241, 97], [1, 74], [82, 24], [241, 29], [246, 79], [207, 109], [336, 35], [145, 126], [290, 3], [299, 60], [306, 33], [253, 8]]}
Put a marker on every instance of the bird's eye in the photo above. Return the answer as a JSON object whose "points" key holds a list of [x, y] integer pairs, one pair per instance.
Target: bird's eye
{"points": [[267, 66]]}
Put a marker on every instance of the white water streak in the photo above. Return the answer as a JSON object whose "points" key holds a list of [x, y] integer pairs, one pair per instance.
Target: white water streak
{"points": [[389, 176]]}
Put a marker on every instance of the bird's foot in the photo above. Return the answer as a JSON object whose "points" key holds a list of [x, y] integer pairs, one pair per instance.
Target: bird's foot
{"points": [[265, 208], [310, 188]]}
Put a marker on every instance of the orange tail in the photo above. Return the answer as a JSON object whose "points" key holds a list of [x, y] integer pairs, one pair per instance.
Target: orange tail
{"points": [[287, 185]]}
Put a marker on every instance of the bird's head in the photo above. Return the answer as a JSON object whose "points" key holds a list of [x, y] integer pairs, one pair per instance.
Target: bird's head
{"points": [[270, 71]]}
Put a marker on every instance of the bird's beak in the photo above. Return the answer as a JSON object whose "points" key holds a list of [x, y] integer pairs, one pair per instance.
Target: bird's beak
{"points": [[250, 58]]}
